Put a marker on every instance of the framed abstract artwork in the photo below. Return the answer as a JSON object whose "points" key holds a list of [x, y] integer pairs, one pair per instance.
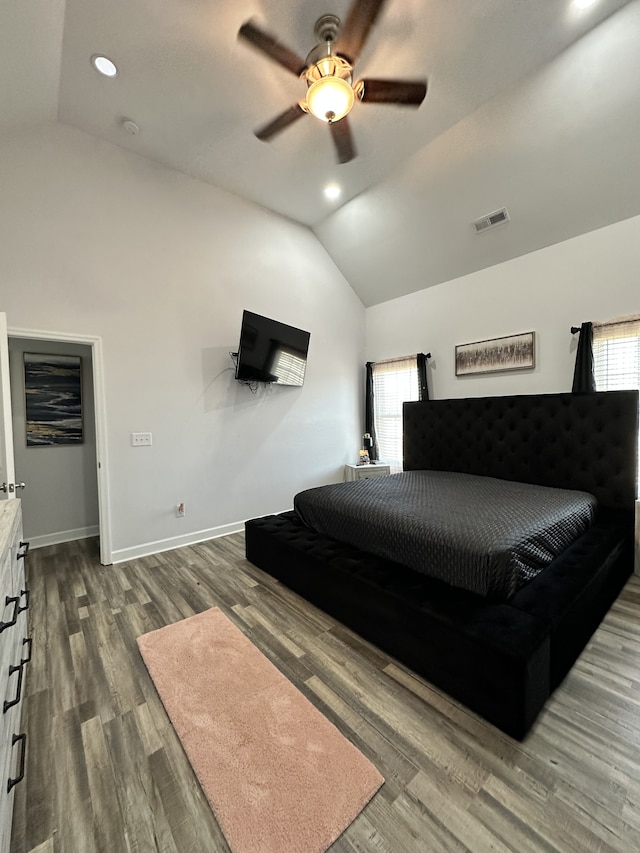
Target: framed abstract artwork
{"points": [[516, 352], [53, 399]]}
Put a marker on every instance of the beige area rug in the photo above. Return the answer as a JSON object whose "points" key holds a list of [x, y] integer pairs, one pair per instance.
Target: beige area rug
{"points": [[279, 776]]}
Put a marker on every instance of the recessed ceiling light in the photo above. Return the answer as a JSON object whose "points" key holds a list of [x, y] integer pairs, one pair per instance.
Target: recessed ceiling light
{"points": [[583, 4], [104, 65], [332, 191]]}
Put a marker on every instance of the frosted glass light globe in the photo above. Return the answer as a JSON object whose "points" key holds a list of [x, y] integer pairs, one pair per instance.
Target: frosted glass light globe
{"points": [[330, 98]]}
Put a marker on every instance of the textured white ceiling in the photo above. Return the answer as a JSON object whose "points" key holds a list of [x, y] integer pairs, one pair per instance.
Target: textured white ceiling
{"points": [[532, 105]]}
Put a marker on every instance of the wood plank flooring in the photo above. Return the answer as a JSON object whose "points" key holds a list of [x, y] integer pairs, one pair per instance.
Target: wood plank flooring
{"points": [[106, 773]]}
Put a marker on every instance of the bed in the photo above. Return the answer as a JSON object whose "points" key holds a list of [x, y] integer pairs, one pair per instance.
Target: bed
{"points": [[501, 655]]}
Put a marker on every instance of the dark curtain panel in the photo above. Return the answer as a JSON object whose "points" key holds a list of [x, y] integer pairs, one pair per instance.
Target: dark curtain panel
{"points": [[369, 427], [583, 378], [422, 376]]}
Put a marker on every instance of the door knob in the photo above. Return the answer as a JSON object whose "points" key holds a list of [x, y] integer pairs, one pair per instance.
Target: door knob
{"points": [[11, 487]]}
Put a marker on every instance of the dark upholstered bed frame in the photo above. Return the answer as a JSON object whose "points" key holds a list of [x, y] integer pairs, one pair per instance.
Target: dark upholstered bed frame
{"points": [[502, 660]]}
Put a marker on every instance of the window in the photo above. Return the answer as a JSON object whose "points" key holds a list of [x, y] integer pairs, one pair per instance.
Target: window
{"points": [[394, 382], [616, 354]]}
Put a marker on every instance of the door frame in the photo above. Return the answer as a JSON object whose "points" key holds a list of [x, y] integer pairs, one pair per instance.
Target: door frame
{"points": [[97, 363], [6, 421]]}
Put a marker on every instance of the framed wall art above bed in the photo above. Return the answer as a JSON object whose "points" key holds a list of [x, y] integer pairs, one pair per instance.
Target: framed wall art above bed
{"points": [[516, 352]]}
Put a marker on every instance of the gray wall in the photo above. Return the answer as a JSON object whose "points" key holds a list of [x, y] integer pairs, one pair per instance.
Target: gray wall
{"points": [[60, 502]]}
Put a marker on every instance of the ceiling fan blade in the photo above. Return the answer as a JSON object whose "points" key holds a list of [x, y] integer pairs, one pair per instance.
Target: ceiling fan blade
{"points": [[408, 93], [361, 17], [272, 47], [342, 139], [280, 122]]}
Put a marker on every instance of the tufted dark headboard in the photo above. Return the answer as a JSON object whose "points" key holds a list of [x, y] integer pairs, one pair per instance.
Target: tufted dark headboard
{"points": [[573, 441]]}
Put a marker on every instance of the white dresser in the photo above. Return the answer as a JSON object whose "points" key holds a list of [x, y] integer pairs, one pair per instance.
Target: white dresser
{"points": [[15, 653], [366, 472]]}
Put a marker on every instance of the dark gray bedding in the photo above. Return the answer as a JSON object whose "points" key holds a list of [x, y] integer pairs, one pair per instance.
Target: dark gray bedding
{"points": [[482, 534]]}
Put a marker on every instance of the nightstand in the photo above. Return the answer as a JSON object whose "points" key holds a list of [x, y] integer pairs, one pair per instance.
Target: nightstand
{"points": [[366, 472]]}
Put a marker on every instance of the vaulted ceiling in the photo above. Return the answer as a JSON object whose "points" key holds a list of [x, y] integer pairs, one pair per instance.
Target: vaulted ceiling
{"points": [[531, 105]]}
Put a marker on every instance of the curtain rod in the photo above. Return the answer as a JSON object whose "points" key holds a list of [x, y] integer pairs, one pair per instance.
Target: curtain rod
{"points": [[399, 358], [632, 318]]}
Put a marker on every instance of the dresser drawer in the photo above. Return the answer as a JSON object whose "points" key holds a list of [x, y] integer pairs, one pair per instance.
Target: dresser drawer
{"points": [[10, 538], [6, 799], [6, 579], [13, 649], [12, 764]]}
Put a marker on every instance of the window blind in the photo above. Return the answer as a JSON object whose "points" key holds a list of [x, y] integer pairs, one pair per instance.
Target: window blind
{"points": [[394, 382], [616, 357], [616, 354]]}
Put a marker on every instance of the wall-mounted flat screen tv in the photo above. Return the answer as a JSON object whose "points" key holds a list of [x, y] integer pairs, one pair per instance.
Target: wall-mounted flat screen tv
{"points": [[271, 351]]}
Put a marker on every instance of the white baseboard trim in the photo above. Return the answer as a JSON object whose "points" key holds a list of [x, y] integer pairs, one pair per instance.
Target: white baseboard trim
{"points": [[63, 536], [122, 555]]}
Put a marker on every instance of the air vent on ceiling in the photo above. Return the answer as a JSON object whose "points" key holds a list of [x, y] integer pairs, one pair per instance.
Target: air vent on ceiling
{"points": [[491, 220]]}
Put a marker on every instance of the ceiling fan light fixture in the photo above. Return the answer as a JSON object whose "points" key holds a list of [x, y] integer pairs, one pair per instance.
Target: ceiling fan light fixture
{"points": [[330, 98], [328, 73]]}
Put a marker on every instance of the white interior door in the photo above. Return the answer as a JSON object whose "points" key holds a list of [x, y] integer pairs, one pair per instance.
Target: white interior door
{"points": [[7, 466]]}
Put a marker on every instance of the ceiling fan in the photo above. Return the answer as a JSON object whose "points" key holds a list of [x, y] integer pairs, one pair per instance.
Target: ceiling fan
{"points": [[328, 70]]}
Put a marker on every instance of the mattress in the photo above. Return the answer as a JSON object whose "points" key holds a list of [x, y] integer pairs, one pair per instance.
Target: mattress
{"points": [[482, 534]]}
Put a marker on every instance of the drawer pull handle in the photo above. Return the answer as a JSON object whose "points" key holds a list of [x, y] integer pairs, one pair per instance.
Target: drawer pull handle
{"points": [[19, 670], [24, 592], [26, 640], [15, 600], [23, 754], [22, 554]]}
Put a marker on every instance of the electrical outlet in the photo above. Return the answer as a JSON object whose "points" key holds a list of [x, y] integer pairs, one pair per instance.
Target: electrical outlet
{"points": [[141, 439], [180, 510]]}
